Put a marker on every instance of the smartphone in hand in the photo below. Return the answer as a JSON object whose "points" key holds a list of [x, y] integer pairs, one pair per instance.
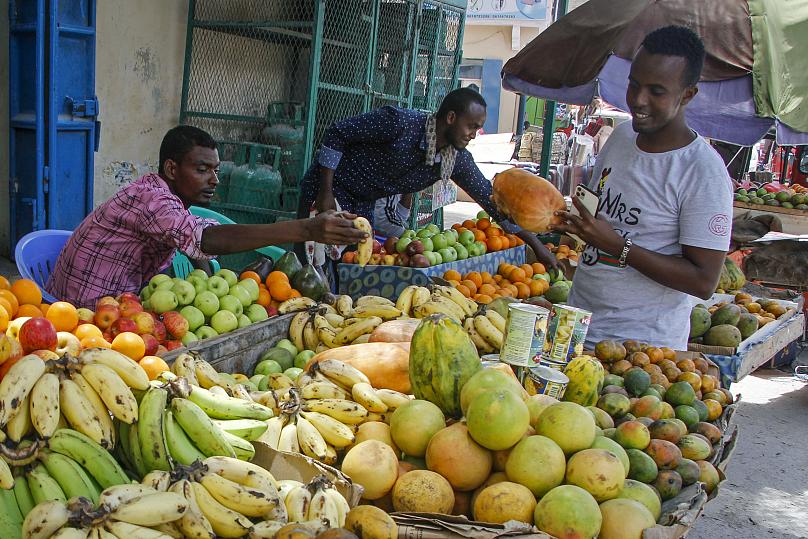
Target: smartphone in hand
{"points": [[590, 201]]}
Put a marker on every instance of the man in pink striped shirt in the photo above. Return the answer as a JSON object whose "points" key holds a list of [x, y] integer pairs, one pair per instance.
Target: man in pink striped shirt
{"points": [[133, 236]]}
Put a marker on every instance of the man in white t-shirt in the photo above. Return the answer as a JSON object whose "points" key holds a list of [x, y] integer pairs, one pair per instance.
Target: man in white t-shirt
{"points": [[663, 223]]}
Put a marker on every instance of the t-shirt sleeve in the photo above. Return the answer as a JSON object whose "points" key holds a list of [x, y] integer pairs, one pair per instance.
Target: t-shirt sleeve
{"points": [[705, 211], [467, 175], [167, 221]]}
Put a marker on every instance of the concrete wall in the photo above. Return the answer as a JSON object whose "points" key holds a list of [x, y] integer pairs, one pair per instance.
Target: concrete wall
{"points": [[4, 172]]}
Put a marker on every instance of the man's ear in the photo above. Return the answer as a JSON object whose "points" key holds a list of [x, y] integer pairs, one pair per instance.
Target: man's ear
{"points": [[689, 93], [451, 117], [170, 169]]}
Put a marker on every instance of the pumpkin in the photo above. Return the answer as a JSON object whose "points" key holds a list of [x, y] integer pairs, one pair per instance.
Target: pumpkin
{"points": [[395, 331], [442, 359], [385, 364], [529, 200]]}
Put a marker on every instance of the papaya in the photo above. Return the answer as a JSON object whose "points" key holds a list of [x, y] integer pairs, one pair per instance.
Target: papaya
{"points": [[700, 322], [310, 283], [747, 325], [442, 359], [586, 376], [736, 278], [727, 314], [723, 335], [289, 264], [529, 200]]}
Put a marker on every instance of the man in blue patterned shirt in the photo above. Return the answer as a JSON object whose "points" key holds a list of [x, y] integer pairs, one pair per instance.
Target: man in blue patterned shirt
{"points": [[391, 151]]}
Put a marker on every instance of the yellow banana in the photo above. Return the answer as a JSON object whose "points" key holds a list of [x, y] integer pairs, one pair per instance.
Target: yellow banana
{"points": [[364, 249], [482, 345], [311, 442], [331, 456], [488, 331], [17, 384], [193, 524], [362, 339], [296, 328], [250, 502], [296, 304], [225, 522], [383, 417], [450, 292], [496, 319], [325, 332], [272, 435], [20, 424], [266, 529], [364, 394], [288, 440], [323, 507], [127, 368], [345, 411], [334, 320], [101, 410], [297, 504], [124, 530], [159, 480], [333, 431], [341, 373], [420, 296], [369, 310], [322, 347], [285, 486], [310, 338], [117, 396], [6, 478], [405, 299], [209, 377], [393, 399], [243, 473], [362, 326], [185, 365], [439, 305], [151, 509], [71, 533], [115, 496], [45, 519], [373, 300], [81, 415], [344, 305], [44, 405], [321, 390], [341, 505]]}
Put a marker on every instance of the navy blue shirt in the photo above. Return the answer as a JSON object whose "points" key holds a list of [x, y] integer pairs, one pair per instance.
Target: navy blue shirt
{"points": [[383, 153]]}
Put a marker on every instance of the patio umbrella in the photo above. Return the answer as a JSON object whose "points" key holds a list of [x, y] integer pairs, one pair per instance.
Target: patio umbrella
{"points": [[755, 74]]}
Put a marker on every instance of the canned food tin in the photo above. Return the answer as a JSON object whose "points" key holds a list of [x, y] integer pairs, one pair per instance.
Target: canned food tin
{"points": [[524, 334], [543, 380], [566, 333], [553, 365], [492, 361]]}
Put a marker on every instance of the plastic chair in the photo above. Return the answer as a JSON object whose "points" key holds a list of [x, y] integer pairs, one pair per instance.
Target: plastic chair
{"points": [[36, 255]]}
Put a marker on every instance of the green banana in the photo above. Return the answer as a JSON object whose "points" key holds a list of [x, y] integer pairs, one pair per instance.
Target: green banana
{"points": [[10, 516], [150, 430], [73, 479], [92, 457], [200, 428], [221, 407], [243, 449], [22, 493], [43, 486], [246, 429], [181, 447], [122, 448]]}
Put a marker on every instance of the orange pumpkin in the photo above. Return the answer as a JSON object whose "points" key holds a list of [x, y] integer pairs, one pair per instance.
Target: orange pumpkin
{"points": [[529, 200], [387, 365]]}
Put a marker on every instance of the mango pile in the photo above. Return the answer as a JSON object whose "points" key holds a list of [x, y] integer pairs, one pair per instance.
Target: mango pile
{"points": [[729, 323]]}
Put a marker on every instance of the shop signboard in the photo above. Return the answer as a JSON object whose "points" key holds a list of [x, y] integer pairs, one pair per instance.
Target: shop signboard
{"points": [[508, 12]]}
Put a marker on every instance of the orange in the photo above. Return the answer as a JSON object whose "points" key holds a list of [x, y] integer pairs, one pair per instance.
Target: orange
{"points": [[12, 301], [497, 279], [4, 284], [294, 294], [513, 239], [250, 275], [63, 316], [505, 268], [4, 318], [564, 249], [523, 290], [6, 305], [456, 226], [44, 308], [539, 268], [153, 366], [536, 288], [528, 269], [280, 290], [506, 292], [94, 341], [494, 244], [519, 241], [495, 296], [129, 344], [264, 297], [27, 291], [28, 310], [464, 290], [517, 275], [512, 288], [487, 278], [471, 225], [470, 285], [276, 276], [479, 235], [493, 233], [87, 330], [483, 298], [475, 278], [561, 256], [487, 289], [453, 275], [454, 283], [482, 224]]}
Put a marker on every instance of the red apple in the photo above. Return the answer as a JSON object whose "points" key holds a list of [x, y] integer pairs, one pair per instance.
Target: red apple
{"points": [[144, 323], [105, 316], [122, 325], [108, 336], [46, 355], [128, 296], [402, 259], [176, 324], [106, 300], [377, 247], [154, 315], [173, 345], [419, 261], [151, 344], [67, 343], [161, 351], [390, 244], [37, 334], [85, 315], [160, 331], [130, 308], [271, 310]]}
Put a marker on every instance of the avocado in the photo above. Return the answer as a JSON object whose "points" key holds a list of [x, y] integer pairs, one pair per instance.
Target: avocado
{"points": [[289, 264], [787, 205], [761, 192], [310, 283], [782, 196], [756, 200]]}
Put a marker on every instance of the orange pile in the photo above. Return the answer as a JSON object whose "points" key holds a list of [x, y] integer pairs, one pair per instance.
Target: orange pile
{"points": [[562, 251], [512, 281], [275, 291], [494, 237]]}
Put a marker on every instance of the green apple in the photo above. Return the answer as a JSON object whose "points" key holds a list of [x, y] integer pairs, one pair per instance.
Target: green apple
{"points": [[455, 235], [268, 366], [224, 321], [199, 273], [439, 242], [161, 280], [425, 233], [481, 247], [438, 258], [184, 291], [545, 276], [228, 275], [282, 356], [252, 288], [462, 252], [189, 337], [256, 379], [482, 215], [287, 344], [146, 293], [194, 316], [466, 238], [432, 227], [231, 303], [427, 243], [448, 254], [408, 234], [207, 302], [242, 294], [200, 284], [218, 286], [293, 373], [401, 244], [163, 300], [303, 358], [256, 312], [206, 332], [243, 321], [431, 256]]}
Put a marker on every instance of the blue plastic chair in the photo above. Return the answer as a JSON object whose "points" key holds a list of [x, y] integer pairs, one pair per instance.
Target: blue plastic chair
{"points": [[36, 255]]}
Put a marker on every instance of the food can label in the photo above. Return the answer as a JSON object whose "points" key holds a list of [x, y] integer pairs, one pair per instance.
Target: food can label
{"points": [[525, 330], [546, 381], [566, 333]]}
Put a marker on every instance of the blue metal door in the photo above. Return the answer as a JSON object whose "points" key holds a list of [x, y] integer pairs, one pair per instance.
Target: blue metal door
{"points": [[53, 108]]}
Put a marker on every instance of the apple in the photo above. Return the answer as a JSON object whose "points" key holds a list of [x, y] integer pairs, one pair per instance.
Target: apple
{"points": [[199, 273], [206, 332], [293, 373], [432, 257], [268, 366], [408, 234], [302, 359], [402, 259], [454, 236], [160, 333], [105, 316], [427, 244], [199, 284], [424, 233], [390, 244], [243, 321], [184, 291], [389, 260], [432, 227], [207, 302], [224, 321], [10, 349], [123, 325], [401, 244], [67, 343], [231, 303], [439, 242], [161, 280], [163, 300], [228, 275], [242, 294], [173, 345], [37, 333], [85, 314], [130, 307], [161, 351], [218, 285], [144, 323], [252, 288], [462, 252], [482, 214], [419, 261], [46, 355], [106, 300], [377, 246], [481, 247], [152, 344], [127, 296], [375, 259], [466, 238], [272, 310], [176, 324], [448, 254], [189, 338], [256, 313], [415, 247], [286, 344], [108, 336], [194, 316], [145, 294]]}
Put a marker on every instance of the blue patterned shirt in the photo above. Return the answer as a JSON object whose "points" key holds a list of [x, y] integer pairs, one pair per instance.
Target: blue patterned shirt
{"points": [[382, 153]]}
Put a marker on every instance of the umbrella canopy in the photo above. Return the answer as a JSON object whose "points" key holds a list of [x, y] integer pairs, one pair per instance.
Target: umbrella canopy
{"points": [[588, 53]]}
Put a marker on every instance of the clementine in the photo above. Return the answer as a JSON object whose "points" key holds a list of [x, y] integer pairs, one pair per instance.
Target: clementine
{"points": [[87, 330], [475, 278], [27, 292], [483, 224], [12, 301], [280, 290], [28, 310], [294, 294], [250, 275], [4, 318], [483, 298], [63, 316], [452, 275], [264, 297], [129, 344], [94, 341], [4, 284], [276, 276], [153, 366]]}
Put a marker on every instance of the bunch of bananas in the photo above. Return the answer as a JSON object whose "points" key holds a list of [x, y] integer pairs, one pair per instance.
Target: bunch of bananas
{"points": [[419, 302], [320, 414], [486, 329], [85, 393]]}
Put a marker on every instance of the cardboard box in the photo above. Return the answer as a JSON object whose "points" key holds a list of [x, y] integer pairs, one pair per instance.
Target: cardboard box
{"points": [[390, 281]]}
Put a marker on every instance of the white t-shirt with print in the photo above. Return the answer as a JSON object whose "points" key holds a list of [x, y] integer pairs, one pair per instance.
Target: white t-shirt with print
{"points": [[661, 201]]}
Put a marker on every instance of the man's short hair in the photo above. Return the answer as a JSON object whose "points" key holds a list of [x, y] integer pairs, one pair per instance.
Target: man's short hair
{"points": [[180, 140], [678, 41], [459, 101]]}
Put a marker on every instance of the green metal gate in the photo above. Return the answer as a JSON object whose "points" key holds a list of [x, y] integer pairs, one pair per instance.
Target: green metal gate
{"points": [[281, 72]]}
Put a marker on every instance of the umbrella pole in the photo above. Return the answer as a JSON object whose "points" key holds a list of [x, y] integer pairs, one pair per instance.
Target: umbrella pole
{"points": [[549, 110]]}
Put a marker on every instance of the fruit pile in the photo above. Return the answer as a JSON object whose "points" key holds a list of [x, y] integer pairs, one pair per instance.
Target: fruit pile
{"points": [[793, 197], [727, 324], [563, 252], [522, 282]]}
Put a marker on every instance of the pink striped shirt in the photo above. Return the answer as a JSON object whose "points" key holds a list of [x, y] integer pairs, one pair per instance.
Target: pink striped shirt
{"points": [[124, 242]]}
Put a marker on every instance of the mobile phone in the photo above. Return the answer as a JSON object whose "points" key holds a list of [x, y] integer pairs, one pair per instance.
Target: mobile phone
{"points": [[590, 201]]}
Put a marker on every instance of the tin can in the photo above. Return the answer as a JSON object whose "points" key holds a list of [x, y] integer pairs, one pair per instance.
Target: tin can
{"points": [[552, 365], [543, 380], [524, 334], [490, 360], [566, 333]]}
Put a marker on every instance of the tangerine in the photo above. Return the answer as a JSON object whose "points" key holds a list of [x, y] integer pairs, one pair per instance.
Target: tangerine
{"points": [[4, 284], [250, 275], [494, 244], [129, 344], [470, 285], [87, 330], [538, 268], [63, 316], [28, 310], [27, 292], [483, 298], [528, 269], [264, 297], [517, 275], [469, 224], [486, 277], [479, 235], [94, 341], [280, 290], [276, 276], [153, 366], [44, 308], [4, 318], [536, 288], [6, 305], [453, 275], [523, 290], [464, 290], [476, 278], [294, 294], [487, 290], [12, 301], [483, 224]]}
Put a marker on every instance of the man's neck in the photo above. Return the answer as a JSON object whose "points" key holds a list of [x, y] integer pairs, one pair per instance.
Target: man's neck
{"points": [[440, 135], [672, 137]]}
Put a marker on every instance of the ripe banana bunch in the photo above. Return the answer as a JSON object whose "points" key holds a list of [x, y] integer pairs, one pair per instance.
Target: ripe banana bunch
{"points": [[317, 332], [317, 500], [442, 299], [486, 330]]}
